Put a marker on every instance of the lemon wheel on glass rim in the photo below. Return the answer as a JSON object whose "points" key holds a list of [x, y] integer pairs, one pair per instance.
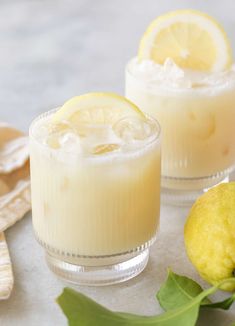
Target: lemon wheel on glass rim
{"points": [[192, 39]]}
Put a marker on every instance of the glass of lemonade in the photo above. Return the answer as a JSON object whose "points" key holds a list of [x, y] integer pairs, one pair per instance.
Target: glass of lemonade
{"points": [[95, 175], [194, 103]]}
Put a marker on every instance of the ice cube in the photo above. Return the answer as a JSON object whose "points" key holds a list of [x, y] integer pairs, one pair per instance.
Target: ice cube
{"points": [[171, 69], [63, 135], [70, 142], [134, 129], [100, 139], [52, 141]]}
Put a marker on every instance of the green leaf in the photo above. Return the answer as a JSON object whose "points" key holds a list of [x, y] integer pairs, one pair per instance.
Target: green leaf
{"points": [[225, 304], [178, 290], [81, 310]]}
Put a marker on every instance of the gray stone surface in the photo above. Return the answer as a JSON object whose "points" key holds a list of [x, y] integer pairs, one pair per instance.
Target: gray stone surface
{"points": [[49, 51]]}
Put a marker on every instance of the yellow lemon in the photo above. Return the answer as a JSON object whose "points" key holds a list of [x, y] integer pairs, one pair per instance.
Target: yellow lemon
{"points": [[194, 40], [210, 234]]}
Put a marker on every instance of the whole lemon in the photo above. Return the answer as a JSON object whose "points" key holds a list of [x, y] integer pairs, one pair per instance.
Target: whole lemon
{"points": [[209, 234]]}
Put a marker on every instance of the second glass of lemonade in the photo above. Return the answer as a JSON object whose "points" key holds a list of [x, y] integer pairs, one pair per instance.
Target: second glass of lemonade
{"points": [[95, 172], [183, 78]]}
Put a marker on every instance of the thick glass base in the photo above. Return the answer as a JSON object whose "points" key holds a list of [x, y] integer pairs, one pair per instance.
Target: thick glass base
{"points": [[99, 271], [184, 192]]}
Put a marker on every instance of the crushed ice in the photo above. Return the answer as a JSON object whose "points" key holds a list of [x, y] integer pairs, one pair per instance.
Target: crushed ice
{"points": [[171, 75]]}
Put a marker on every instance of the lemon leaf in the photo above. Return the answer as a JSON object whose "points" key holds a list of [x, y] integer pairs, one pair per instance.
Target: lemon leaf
{"points": [[81, 310], [178, 290], [225, 304]]}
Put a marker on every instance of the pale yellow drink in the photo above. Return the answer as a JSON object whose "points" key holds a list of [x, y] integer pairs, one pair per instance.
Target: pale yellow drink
{"points": [[183, 76], [95, 189], [197, 114]]}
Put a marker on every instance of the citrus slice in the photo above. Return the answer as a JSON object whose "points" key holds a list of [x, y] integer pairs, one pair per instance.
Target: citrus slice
{"points": [[96, 108], [192, 39]]}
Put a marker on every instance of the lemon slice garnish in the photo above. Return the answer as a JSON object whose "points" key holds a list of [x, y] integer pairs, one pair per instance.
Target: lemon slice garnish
{"points": [[194, 40], [96, 108]]}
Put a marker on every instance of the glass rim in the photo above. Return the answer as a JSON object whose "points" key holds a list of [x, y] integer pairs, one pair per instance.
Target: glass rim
{"points": [[155, 138]]}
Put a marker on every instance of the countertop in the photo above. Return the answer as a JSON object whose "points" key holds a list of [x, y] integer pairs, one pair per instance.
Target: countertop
{"points": [[50, 51]]}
